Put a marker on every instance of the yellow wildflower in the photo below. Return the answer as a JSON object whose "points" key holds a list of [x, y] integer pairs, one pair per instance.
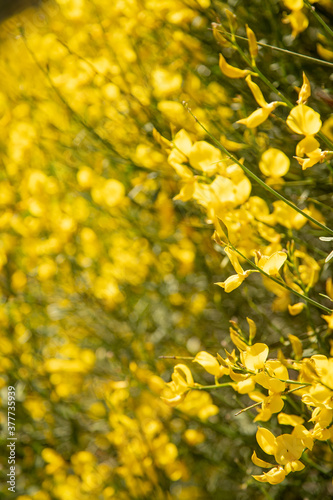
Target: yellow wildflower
{"points": [[235, 280], [261, 114]]}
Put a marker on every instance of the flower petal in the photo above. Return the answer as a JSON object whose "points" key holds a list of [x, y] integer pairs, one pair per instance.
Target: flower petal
{"points": [[266, 440], [304, 120], [231, 71]]}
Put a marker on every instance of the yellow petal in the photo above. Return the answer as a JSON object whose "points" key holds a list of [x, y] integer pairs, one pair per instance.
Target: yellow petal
{"points": [[180, 370], [245, 386], [205, 157], [296, 308], [257, 94], [260, 463], [252, 327], [293, 466], [234, 260], [256, 118], [305, 91], [296, 345], [219, 37], [237, 377], [285, 419], [231, 145], [232, 282], [307, 162], [236, 339], [252, 41], [304, 120], [299, 22], [294, 4], [274, 263], [162, 141], [255, 356], [275, 475], [306, 145], [274, 163], [183, 142], [208, 362], [266, 440], [231, 71], [324, 53], [176, 400]]}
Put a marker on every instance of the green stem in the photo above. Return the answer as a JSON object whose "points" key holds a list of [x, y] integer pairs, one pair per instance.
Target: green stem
{"points": [[257, 179], [308, 461], [286, 51], [303, 384], [198, 387], [319, 19]]}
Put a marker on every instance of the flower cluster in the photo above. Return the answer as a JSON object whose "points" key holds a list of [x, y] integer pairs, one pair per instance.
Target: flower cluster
{"points": [[268, 382]]}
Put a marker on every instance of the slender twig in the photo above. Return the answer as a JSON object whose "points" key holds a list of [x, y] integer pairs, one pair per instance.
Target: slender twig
{"points": [[286, 51], [176, 357], [320, 20]]}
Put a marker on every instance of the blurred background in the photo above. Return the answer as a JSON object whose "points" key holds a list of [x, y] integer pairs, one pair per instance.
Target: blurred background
{"points": [[102, 271]]}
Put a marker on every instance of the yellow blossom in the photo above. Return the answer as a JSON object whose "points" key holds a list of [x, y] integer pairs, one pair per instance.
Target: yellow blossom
{"points": [[235, 280], [182, 382], [261, 114]]}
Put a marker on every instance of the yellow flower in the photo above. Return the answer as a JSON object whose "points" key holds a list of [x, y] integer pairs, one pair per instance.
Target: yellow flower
{"points": [[304, 120], [287, 449], [316, 156], [231, 71], [261, 114], [275, 476], [269, 379], [271, 265], [255, 356], [182, 381]]}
